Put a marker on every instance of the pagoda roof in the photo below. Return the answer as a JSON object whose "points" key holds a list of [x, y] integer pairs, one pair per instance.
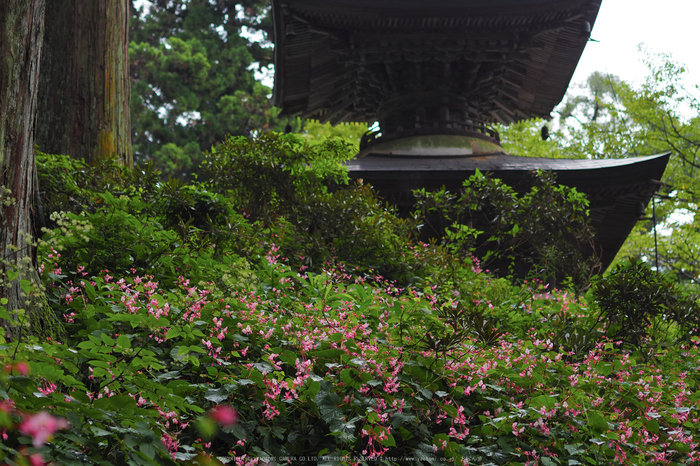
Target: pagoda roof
{"points": [[615, 187], [338, 60]]}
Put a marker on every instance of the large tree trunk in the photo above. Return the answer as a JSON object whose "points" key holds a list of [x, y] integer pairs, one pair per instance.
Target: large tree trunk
{"points": [[84, 82], [21, 35]]}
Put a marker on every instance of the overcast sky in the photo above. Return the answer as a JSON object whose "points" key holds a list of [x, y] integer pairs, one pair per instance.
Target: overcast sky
{"points": [[669, 26]]}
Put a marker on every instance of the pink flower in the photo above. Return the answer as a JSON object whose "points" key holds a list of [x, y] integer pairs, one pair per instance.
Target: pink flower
{"points": [[224, 415], [36, 459], [6, 406], [22, 367], [42, 426]]}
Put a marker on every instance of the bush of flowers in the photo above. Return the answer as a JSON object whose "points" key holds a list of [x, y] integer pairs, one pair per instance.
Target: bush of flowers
{"points": [[203, 349]]}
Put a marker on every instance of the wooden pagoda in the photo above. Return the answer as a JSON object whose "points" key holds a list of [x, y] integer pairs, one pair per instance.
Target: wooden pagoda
{"points": [[435, 75]]}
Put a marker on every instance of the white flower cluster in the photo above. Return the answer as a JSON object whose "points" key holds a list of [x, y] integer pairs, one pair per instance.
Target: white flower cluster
{"points": [[6, 199], [69, 225]]}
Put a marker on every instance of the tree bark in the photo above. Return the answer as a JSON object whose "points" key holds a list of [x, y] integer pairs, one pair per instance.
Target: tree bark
{"points": [[21, 35], [84, 86]]}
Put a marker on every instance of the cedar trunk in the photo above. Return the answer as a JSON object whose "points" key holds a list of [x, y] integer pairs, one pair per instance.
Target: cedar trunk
{"points": [[21, 35], [84, 82]]}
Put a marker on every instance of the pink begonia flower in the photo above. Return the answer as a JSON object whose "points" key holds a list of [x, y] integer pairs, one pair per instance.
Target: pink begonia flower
{"points": [[224, 415], [22, 367], [41, 427], [36, 460], [6, 406]]}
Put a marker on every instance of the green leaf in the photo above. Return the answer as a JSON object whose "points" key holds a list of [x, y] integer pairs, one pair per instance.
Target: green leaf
{"points": [[216, 395], [123, 341], [90, 290], [288, 357], [652, 426], [117, 403], [597, 421], [26, 286], [328, 406], [400, 418], [207, 427], [547, 401], [98, 363], [331, 353], [148, 449], [389, 440], [575, 449], [107, 339], [604, 368], [504, 443], [350, 377], [197, 349], [99, 432], [681, 447]]}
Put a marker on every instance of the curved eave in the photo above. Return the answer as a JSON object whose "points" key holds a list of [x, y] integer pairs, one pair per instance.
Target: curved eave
{"points": [[499, 161], [615, 187], [418, 7]]}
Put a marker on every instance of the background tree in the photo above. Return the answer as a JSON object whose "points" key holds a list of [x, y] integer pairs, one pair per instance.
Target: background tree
{"points": [[21, 34], [315, 132], [524, 138], [588, 123], [84, 81], [609, 118], [193, 69]]}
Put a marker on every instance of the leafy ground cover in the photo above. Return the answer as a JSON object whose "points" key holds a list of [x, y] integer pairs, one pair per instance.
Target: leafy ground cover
{"points": [[211, 337]]}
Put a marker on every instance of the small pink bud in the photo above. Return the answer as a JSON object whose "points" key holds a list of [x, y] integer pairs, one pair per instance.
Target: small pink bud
{"points": [[22, 367], [36, 460]]}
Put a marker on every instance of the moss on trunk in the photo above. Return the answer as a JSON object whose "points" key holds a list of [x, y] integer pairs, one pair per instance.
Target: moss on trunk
{"points": [[84, 85], [21, 35]]}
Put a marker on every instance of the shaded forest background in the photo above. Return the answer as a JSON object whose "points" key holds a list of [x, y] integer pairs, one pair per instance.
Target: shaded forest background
{"points": [[193, 69]]}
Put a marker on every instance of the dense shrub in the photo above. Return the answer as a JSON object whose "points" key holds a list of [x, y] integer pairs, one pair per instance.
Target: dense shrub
{"points": [[275, 174], [205, 343], [283, 183], [320, 368], [644, 308], [542, 233], [69, 185]]}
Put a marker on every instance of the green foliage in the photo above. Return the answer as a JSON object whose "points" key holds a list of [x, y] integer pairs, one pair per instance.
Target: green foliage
{"points": [[542, 232], [612, 118], [640, 306], [281, 181], [524, 139], [317, 366], [67, 184], [158, 227], [194, 80], [316, 132], [208, 342], [351, 224], [274, 174]]}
